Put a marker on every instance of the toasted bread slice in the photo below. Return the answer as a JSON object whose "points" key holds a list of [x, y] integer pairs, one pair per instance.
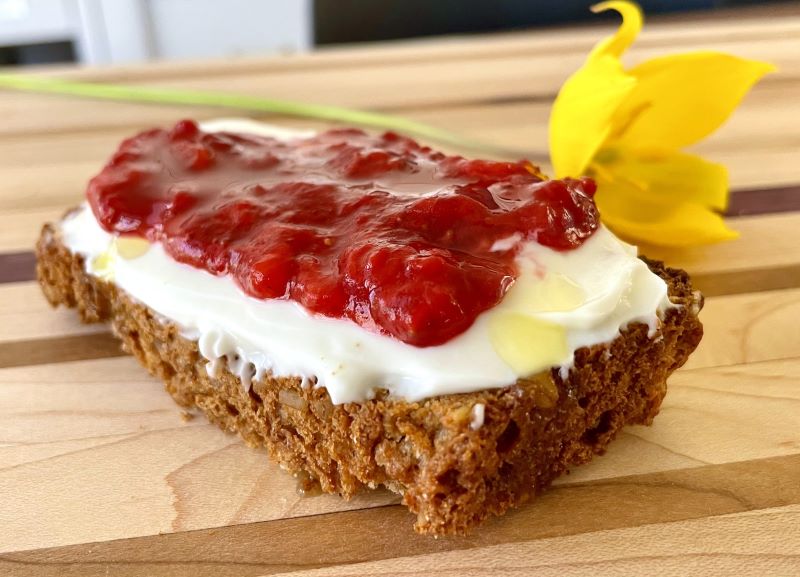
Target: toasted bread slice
{"points": [[455, 459]]}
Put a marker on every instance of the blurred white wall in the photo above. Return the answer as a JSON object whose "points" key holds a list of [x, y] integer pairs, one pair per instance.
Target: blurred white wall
{"points": [[118, 31]]}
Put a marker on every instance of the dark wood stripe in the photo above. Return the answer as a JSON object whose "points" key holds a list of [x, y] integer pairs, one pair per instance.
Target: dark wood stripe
{"points": [[384, 533], [755, 201], [17, 266], [59, 350]]}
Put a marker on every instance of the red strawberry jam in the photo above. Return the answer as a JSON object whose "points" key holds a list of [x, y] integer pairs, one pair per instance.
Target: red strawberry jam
{"points": [[378, 229]]}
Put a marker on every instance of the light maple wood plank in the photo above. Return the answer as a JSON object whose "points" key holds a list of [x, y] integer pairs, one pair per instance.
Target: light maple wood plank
{"points": [[54, 186], [26, 316], [764, 543], [749, 328], [766, 256], [69, 115], [53, 416], [371, 535], [518, 125], [402, 86], [430, 83], [118, 459], [19, 229], [710, 416]]}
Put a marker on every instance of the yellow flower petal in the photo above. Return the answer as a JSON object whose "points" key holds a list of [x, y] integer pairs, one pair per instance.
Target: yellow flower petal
{"points": [[644, 219], [580, 120], [680, 99], [676, 177], [632, 20]]}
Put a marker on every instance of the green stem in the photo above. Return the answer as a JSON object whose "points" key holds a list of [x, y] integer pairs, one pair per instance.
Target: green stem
{"points": [[117, 92]]}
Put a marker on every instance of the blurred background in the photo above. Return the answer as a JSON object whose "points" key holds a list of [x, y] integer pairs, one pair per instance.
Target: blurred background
{"points": [[124, 31]]}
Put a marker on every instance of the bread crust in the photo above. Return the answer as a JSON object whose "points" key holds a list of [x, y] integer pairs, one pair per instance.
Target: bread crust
{"points": [[451, 474]]}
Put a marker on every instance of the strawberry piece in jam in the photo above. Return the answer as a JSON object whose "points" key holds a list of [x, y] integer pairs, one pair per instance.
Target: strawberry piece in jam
{"points": [[399, 238]]}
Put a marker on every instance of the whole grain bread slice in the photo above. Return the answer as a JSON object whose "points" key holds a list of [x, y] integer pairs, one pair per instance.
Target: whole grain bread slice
{"points": [[452, 470]]}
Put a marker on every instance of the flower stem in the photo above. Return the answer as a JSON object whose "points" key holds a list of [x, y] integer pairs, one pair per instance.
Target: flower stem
{"points": [[173, 96]]}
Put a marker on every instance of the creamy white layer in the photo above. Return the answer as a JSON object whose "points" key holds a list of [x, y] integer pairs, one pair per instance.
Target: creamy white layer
{"points": [[560, 302]]}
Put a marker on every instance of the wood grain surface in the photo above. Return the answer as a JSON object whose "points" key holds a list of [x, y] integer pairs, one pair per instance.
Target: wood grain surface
{"points": [[101, 473]]}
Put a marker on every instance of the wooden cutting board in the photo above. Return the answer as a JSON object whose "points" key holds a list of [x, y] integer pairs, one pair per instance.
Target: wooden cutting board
{"points": [[101, 473]]}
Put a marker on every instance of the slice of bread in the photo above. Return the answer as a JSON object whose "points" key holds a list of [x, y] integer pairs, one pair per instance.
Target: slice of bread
{"points": [[455, 459]]}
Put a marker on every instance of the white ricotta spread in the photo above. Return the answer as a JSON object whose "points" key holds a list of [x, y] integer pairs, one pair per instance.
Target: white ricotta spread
{"points": [[560, 302]]}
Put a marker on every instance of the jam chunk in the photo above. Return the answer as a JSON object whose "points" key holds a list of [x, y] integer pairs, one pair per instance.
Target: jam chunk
{"points": [[395, 236]]}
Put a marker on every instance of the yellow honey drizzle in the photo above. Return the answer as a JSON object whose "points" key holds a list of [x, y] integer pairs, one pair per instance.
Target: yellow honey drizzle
{"points": [[126, 247], [527, 344]]}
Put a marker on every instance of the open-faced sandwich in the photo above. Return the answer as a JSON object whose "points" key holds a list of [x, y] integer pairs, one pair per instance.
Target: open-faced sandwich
{"points": [[373, 312]]}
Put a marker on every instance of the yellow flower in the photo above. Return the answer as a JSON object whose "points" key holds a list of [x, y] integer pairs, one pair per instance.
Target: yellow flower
{"points": [[626, 128]]}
